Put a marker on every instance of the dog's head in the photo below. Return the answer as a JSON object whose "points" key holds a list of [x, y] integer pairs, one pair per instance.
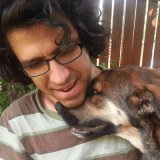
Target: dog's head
{"points": [[115, 100]]}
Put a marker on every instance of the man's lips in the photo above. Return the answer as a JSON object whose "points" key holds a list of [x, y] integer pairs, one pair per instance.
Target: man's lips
{"points": [[70, 91], [68, 88]]}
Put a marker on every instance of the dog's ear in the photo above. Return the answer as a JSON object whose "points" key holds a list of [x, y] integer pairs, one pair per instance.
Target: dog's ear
{"points": [[155, 90], [145, 102]]}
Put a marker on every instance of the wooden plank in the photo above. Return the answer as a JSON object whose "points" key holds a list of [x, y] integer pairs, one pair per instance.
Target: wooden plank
{"points": [[106, 16], [156, 60], [154, 0], [128, 33], [150, 0], [138, 33], [117, 30], [150, 29]]}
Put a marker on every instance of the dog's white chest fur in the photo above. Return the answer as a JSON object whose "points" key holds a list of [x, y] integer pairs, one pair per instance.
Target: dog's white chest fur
{"points": [[131, 134], [125, 129]]}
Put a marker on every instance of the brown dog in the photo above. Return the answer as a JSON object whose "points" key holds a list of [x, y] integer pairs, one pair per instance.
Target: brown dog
{"points": [[122, 101]]}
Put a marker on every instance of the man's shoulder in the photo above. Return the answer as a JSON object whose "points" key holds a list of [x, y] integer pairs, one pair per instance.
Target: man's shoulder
{"points": [[23, 106]]}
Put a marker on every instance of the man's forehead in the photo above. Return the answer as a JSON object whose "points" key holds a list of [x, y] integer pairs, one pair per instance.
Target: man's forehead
{"points": [[38, 32], [33, 33]]}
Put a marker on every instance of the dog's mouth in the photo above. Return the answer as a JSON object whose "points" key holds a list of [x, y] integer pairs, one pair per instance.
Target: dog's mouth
{"points": [[94, 128], [88, 130]]}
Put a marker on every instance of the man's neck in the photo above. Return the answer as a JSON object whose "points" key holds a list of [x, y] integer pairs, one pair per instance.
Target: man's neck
{"points": [[47, 101]]}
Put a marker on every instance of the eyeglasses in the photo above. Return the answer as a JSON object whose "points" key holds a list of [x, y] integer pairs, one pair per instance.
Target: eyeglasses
{"points": [[64, 57]]}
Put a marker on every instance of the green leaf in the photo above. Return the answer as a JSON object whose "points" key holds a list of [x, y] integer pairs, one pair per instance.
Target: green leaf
{"points": [[4, 84], [91, 60], [3, 97], [104, 65], [1, 80], [1, 110], [92, 64], [113, 62], [21, 87], [31, 86]]}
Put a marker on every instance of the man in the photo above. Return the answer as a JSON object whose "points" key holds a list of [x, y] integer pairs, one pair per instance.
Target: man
{"points": [[49, 43]]}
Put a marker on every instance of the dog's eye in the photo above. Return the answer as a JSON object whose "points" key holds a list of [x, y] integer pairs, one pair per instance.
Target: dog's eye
{"points": [[94, 91]]}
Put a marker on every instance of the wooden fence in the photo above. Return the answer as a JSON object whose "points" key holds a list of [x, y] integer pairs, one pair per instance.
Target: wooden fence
{"points": [[137, 37]]}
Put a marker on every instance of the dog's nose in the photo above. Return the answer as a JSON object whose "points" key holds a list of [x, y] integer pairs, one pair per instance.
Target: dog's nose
{"points": [[63, 112], [59, 107]]}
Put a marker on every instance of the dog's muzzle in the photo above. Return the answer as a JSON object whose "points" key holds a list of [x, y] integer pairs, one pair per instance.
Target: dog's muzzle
{"points": [[62, 111]]}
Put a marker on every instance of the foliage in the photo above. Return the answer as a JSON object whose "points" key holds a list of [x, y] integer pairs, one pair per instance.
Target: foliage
{"points": [[113, 63], [103, 64], [10, 92], [3, 97]]}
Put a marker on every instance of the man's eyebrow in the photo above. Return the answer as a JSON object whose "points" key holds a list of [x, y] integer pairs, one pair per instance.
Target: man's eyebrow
{"points": [[36, 59], [30, 61]]}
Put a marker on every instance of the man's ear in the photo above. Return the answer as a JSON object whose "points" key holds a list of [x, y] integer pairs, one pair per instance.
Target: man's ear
{"points": [[145, 102]]}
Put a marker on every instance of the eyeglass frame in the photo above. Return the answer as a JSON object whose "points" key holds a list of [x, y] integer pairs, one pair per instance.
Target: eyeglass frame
{"points": [[80, 44]]}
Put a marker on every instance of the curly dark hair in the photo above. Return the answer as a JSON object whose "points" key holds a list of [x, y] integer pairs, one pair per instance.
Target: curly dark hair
{"points": [[25, 13]]}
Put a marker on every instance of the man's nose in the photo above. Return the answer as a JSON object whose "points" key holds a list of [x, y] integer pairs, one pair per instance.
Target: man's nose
{"points": [[59, 73]]}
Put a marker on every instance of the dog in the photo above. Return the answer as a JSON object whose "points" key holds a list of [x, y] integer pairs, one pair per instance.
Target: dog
{"points": [[124, 101]]}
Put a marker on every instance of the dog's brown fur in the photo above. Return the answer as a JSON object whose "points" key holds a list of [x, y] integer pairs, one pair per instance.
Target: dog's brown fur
{"points": [[123, 101]]}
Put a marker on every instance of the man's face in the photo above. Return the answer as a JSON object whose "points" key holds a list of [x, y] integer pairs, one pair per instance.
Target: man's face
{"points": [[65, 83]]}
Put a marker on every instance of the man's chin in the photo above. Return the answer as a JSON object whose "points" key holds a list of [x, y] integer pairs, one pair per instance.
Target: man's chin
{"points": [[72, 103]]}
